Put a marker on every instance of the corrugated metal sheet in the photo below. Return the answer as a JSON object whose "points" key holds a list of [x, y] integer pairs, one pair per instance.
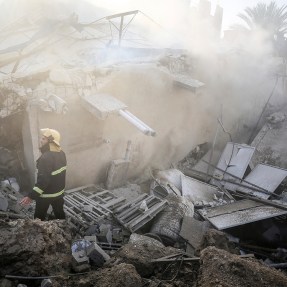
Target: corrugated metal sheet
{"points": [[239, 213]]}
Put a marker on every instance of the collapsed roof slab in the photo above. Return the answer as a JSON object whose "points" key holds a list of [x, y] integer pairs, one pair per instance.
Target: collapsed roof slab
{"points": [[187, 82], [240, 213]]}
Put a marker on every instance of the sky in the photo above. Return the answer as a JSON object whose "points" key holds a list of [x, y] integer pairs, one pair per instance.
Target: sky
{"points": [[160, 8], [234, 7]]}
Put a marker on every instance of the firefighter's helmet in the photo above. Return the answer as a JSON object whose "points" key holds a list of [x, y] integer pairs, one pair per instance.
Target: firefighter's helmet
{"points": [[52, 135]]}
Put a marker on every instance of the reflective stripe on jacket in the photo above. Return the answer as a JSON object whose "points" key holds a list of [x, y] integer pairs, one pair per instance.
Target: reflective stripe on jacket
{"points": [[51, 175]]}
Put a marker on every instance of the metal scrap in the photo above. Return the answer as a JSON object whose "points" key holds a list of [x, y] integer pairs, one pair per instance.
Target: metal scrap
{"points": [[240, 213]]}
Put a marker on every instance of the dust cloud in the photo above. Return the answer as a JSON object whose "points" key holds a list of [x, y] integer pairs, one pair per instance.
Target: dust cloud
{"points": [[239, 76]]}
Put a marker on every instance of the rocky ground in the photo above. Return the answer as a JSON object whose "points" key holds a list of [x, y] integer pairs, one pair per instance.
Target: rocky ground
{"points": [[31, 248]]}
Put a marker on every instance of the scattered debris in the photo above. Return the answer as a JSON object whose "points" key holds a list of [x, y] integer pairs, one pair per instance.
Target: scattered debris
{"points": [[188, 227]]}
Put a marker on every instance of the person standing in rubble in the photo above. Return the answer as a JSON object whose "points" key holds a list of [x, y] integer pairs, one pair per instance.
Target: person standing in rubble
{"points": [[51, 177]]}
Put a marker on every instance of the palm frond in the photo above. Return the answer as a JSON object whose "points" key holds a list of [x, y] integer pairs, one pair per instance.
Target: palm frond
{"points": [[269, 17]]}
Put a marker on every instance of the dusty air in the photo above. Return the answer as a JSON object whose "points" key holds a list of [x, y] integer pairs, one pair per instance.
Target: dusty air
{"points": [[143, 143]]}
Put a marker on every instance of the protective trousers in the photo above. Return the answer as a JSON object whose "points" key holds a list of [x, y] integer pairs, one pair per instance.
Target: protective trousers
{"points": [[42, 205]]}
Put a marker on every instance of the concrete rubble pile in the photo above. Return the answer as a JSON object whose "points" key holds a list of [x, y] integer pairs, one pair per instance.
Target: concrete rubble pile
{"points": [[180, 231], [214, 219]]}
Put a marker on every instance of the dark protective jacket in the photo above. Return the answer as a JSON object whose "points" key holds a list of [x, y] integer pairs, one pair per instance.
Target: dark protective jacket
{"points": [[51, 175]]}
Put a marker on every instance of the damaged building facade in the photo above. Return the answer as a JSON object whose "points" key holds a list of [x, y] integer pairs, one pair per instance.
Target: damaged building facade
{"points": [[176, 159], [104, 107]]}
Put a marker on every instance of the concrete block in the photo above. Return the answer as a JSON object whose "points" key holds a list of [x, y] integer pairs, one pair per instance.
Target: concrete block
{"points": [[96, 247], [80, 257]]}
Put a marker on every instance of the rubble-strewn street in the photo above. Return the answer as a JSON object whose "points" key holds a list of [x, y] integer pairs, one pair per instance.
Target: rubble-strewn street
{"points": [[143, 143]]}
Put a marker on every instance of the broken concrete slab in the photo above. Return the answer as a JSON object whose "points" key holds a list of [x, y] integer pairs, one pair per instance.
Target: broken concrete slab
{"points": [[192, 231], [171, 176], [203, 194], [263, 176], [187, 82], [102, 105]]}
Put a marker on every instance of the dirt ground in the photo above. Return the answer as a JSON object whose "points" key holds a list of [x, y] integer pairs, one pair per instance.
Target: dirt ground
{"points": [[222, 269], [35, 248]]}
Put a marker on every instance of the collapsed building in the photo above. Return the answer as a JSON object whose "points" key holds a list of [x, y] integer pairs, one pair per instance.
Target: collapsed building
{"points": [[126, 116]]}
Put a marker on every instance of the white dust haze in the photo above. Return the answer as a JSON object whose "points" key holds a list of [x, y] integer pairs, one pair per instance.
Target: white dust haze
{"points": [[239, 76]]}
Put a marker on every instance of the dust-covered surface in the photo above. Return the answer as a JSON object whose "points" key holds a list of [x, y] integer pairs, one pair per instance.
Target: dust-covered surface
{"points": [[218, 239], [140, 254], [222, 269], [122, 275], [34, 248], [270, 143], [31, 248]]}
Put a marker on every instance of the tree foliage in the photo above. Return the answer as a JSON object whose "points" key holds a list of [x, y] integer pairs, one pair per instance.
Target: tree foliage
{"points": [[268, 17]]}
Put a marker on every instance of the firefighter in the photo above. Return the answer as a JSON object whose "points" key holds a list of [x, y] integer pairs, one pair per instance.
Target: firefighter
{"points": [[51, 177]]}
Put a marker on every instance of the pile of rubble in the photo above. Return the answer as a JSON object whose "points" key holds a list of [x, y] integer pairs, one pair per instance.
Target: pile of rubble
{"points": [[35, 253], [220, 225]]}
